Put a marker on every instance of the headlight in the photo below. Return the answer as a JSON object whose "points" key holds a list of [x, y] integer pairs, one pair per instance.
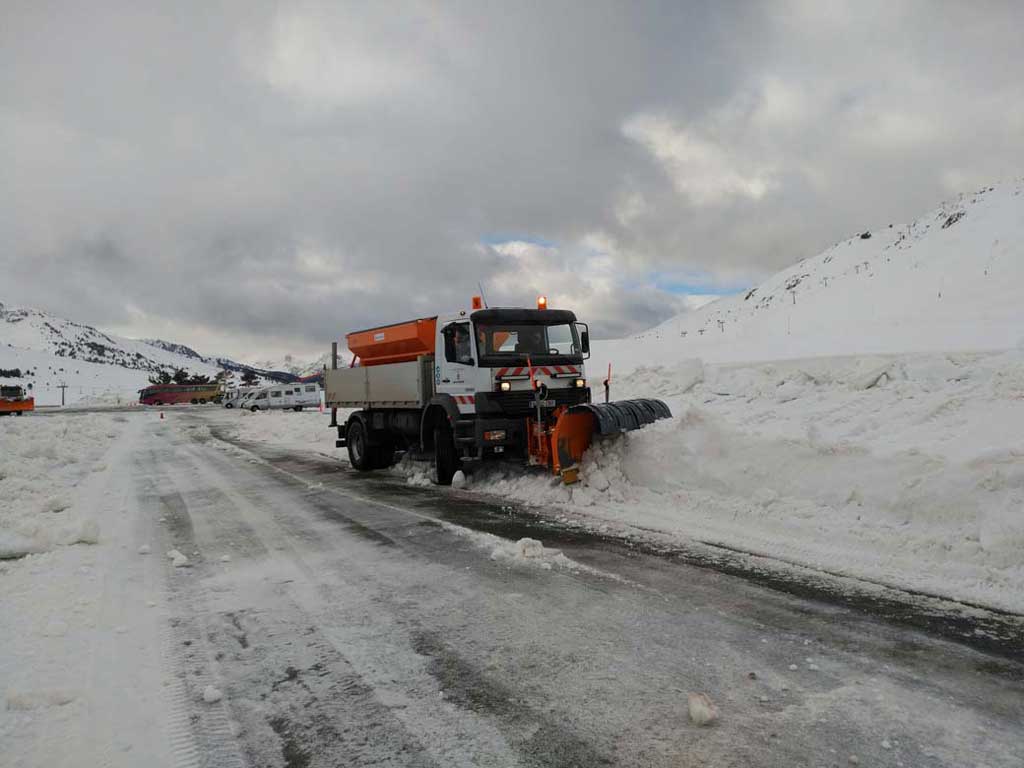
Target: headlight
{"points": [[505, 386], [580, 383]]}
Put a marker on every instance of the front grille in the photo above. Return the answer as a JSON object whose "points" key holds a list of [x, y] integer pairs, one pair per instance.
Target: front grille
{"points": [[518, 403]]}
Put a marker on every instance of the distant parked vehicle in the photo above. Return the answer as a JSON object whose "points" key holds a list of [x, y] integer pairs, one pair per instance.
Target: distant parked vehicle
{"points": [[236, 398], [306, 396], [283, 396], [14, 400], [179, 394]]}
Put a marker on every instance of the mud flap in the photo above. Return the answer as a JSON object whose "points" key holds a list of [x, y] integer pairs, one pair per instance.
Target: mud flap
{"points": [[575, 429]]}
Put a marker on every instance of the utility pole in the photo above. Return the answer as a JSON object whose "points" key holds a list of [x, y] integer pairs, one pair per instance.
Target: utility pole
{"points": [[62, 386], [334, 366]]}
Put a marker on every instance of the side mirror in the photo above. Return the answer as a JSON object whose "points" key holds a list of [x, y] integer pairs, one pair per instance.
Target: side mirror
{"points": [[584, 330]]}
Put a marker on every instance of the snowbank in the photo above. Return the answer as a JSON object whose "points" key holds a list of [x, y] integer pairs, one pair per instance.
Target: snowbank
{"points": [[306, 430], [906, 470], [42, 461]]}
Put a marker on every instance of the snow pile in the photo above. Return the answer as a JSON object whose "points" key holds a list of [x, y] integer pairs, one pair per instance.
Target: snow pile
{"points": [[302, 430], [904, 470], [42, 461]]}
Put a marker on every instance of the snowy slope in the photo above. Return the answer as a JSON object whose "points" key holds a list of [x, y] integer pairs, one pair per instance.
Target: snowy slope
{"points": [[951, 280], [43, 332], [297, 367], [96, 366]]}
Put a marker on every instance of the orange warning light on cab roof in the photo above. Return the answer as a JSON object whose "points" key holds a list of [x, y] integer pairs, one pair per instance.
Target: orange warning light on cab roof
{"points": [[478, 302], [542, 302]]}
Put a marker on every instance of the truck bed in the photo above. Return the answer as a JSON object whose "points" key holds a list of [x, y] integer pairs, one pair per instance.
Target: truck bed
{"points": [[395, 385]]}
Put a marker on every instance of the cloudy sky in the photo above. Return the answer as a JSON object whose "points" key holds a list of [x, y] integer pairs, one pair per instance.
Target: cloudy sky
{"points": [[258, 178]]}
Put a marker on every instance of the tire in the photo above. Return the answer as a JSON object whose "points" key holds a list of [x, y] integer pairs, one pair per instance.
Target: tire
{"points": [[254, 408], [297, 408], [194, 401], [360, 454], [446, 460], [229, 405], [202, 401]]}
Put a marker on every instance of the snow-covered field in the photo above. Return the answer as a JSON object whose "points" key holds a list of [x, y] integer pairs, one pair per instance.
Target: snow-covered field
{"points": [[81, 672], [43, 464]]}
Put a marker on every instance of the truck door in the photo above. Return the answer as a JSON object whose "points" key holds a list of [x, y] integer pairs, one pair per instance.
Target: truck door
{"points": [[454, 374]]}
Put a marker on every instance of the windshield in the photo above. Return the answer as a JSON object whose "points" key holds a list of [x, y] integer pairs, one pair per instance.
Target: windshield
{"points": [[535, 340]]}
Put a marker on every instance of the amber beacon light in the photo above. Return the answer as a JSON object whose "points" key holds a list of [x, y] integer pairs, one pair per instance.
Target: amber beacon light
{"points": [[542, 302]]}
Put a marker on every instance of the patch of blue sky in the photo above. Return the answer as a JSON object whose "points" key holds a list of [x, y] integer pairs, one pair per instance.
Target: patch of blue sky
{"points": [[499, 238], [698, 285]]}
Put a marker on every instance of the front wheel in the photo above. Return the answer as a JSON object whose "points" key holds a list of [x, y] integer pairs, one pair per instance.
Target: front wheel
{"points": [[254, 408], [229, 405], [446, 460], [297, 408]]}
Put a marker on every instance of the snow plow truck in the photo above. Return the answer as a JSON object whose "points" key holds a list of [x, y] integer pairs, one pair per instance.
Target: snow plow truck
{"points": [[474, 385], [14, 400]]}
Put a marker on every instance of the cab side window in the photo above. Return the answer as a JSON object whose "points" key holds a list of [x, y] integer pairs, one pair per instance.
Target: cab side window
{"points": [[458, 346]]}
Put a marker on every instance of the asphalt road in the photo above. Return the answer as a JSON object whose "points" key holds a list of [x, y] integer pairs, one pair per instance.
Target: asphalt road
{"points": [[351, 620]]}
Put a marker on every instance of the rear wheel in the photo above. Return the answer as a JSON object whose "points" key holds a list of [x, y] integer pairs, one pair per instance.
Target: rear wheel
{"points": [[229, 405], [194, 401], [297, 408], [360, 455], [446, 460]]}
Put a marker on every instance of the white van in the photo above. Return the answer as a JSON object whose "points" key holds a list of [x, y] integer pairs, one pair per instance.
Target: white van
{"points": [[306, 395], [295, 396], [236, 398]]}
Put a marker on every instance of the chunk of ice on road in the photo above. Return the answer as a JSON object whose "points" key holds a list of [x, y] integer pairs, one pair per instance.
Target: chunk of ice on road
{"points": [[702, 710], [530, 548], [144, 549], [178, 560], [459, 479], [212, 695]]}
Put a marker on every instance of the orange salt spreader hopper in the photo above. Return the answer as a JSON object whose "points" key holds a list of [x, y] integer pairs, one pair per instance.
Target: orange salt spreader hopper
{"points": [[398, 343]]}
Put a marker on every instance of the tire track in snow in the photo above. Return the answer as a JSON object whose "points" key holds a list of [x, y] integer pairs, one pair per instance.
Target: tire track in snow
{"points": [[201, 733]]}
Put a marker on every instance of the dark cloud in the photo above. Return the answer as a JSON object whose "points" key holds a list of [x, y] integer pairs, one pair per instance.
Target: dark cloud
{"points": [[268, 175]]}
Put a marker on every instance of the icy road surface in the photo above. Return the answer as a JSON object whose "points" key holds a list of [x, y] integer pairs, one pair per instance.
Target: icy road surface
{"points": [[322, 618]]}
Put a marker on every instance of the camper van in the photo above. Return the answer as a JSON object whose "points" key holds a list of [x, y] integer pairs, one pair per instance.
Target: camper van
{"points": [[279, 396], [238, 397]]}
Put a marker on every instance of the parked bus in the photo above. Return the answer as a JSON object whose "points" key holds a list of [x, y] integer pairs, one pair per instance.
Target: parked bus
{"points": [[178, 394], [14, 400]]}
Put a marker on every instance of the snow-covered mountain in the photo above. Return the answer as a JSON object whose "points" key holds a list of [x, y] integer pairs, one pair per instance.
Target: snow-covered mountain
{"points": [[48, 351], [297, 367], [951, 280]]}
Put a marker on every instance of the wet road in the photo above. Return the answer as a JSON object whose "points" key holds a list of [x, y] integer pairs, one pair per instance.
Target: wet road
{"points": [[355, 621]]}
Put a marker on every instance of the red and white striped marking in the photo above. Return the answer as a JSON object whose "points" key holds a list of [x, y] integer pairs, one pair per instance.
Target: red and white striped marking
{"points": [[546, 370], [465, 399]]}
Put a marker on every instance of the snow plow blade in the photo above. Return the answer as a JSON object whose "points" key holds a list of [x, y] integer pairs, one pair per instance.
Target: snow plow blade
{"points": [[575, 429], [624, 415]]}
